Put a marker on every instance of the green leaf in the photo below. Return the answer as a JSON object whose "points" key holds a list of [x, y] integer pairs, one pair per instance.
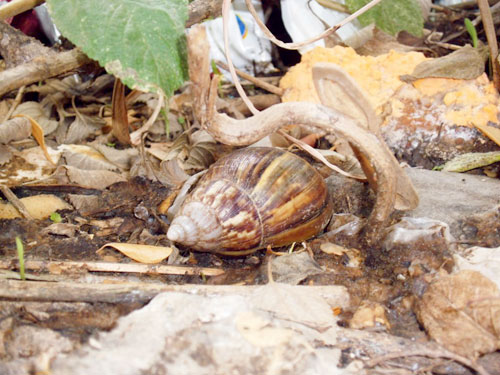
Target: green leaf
{"points": [[141, 42], [391, 16], [55, 217]]}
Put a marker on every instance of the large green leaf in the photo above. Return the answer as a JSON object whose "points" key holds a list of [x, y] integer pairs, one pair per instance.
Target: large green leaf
{"points": [[141, 42], [391, 16]]}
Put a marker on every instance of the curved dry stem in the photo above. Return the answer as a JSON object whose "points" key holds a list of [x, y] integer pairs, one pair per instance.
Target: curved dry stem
{"points": [[225, 14], [353, 102], [316, 116]]}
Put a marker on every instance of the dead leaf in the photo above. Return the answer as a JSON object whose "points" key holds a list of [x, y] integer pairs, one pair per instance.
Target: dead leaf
{"points": [[82, 127], [465, 63], [293, 268], [121, 158], [39, 113], [38, 134], [39, 206], [141, 253], [466, 162], [173, 172], [120, 117], [95, 179], [462, 313], [5, 154], [369, 314], [491, 130], [85, 157], [15, 129]]}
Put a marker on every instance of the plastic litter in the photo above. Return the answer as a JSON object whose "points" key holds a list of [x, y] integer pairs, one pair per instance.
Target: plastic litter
{"points": [[250, 51], [304, 19]]}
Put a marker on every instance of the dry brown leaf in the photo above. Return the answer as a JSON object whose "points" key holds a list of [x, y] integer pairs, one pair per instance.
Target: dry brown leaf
{"points": [[82, 127], [95, 179], [5, 154], [39, 113], [491, 130], [121, 158], [85, 157], [465, 63], [293, 268], [37, 132], [15, 129], [39, 207], [173, 172], [462, 313], [120, 117], [141, 253]]}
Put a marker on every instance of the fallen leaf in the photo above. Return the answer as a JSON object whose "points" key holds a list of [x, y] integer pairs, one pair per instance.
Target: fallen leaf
{"points": [[295, 267], [85, 157], [38, 113], [465, 63], [39, 206], [15, 129], [94, 179], [141, 253], [466, 162], [462, 313], [491, 130]]}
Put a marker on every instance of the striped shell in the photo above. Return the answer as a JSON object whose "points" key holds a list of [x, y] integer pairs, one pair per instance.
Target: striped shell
{"points": [[252, 198]]}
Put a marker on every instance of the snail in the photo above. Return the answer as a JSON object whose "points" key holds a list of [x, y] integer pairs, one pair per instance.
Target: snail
{"points": [[250, 199]]}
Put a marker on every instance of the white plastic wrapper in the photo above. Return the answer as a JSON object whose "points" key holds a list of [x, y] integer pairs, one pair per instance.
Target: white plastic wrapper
{"points": [[304, 19], [482, 259], [250, 51]]}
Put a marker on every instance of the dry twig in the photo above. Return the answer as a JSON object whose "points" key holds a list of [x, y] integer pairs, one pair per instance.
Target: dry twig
{"points": [[71, 267], [489, 28], [431, 354]]}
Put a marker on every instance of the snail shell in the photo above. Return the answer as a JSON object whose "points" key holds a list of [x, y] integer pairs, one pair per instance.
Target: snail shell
{"points": [[250, 199]]}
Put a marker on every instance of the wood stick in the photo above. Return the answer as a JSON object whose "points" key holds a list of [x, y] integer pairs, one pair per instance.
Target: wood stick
{"points": [[58, 267], [256, 81], [15, 201], [335, 295], [41, 68], [45, 67], [16, 7]]}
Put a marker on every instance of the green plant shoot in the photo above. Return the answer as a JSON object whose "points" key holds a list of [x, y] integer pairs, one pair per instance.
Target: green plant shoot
{"points": [[471, 29], [20, 255], [55, 217]]}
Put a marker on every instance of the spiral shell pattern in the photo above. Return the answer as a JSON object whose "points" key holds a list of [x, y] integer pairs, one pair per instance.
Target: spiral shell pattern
{"points": [[252, 198]]}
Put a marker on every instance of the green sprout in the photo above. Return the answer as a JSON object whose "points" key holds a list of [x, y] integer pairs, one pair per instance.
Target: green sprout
{"points": [[20, 255], [471, 29], [55, 217]]}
